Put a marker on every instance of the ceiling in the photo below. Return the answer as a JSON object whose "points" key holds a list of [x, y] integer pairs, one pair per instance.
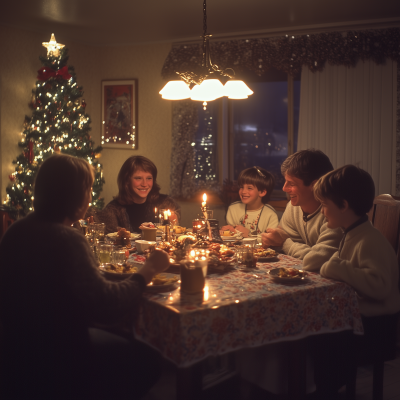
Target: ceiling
{"points": [[119, 22]]}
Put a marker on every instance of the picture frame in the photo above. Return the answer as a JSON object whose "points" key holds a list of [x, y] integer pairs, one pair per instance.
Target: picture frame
{"points": [[119, 114]]}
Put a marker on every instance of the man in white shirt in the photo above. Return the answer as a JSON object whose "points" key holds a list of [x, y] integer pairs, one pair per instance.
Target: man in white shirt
{"points": [[303, 232]]}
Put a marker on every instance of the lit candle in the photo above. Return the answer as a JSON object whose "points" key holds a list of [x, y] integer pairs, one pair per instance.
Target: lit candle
{"points": [[169, 213], [155, 213], [165, 214], [203, 204]]}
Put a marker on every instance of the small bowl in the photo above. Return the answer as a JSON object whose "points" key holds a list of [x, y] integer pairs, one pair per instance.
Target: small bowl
{"points": [[252, 240], [142, 245]]}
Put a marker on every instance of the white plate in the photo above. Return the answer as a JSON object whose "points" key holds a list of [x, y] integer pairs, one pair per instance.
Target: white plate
{"points": [[134, 236], [166, 287], [231, 238], [297, 279]]}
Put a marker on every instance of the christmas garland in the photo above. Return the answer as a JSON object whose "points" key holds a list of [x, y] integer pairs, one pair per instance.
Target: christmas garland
{"points": [[289, 53]]}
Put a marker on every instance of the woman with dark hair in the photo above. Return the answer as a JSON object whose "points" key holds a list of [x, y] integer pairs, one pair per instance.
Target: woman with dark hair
{"points": [[138, 197], [51, 293]]}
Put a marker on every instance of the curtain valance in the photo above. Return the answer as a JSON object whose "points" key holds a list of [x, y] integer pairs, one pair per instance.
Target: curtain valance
{"points": [[289, 53]]}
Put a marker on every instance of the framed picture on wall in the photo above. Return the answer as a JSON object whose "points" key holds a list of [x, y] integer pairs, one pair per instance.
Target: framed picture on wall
{"points": [[119, 119]]}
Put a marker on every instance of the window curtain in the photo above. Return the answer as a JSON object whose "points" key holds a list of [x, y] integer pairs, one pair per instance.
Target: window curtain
{"points": [[350, 114], [311, 54]]}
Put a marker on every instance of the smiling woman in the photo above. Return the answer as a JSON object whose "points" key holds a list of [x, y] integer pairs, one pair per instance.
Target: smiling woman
{"points": [[138, 197]]}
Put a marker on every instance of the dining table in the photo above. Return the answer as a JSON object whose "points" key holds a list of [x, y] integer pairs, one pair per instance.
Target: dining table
{"points": [[243, 308]]}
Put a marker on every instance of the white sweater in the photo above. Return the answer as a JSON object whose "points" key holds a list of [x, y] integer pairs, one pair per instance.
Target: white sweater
{"points": [[311, 241], [237, 212], [368, 263]]}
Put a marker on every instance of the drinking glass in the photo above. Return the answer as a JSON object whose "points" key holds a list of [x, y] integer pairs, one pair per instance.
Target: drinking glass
{"points": [[104, 253], [99, 231], [119, 256]]}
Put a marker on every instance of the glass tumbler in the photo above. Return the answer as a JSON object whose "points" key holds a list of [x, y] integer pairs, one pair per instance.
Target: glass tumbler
{"points": [[119, 256], [104, 253]]}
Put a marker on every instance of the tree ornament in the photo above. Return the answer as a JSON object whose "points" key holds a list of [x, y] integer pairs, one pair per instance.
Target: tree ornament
{"points": [[97, 155], [57, 149], [11, 178], [69, 104], [20, 169], [83, 103], [30, 152]]}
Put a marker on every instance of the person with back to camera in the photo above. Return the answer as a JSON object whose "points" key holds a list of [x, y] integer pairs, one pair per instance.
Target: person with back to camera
{"points": [[52, 292], [138, 196], [365, 259], [303, 231], [252, 215]]}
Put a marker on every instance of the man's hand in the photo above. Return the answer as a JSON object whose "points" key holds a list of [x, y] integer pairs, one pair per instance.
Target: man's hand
{"points": [[274, 237], [157, 262]]}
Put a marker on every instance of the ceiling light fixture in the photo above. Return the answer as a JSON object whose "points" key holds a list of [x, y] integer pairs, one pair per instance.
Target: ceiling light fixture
{"points": [[205, 85]]}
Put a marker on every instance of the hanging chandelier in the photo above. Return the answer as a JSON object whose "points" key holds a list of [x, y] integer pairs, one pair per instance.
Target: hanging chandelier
{"points": [[205, 84]]}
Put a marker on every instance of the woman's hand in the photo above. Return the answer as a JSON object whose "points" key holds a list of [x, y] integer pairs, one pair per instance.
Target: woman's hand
{"points": [[173, 218], [157, 262]]}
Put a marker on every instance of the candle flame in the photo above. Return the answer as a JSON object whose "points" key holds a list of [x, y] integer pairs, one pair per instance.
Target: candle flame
{"points": [[169, 213], [155, 210], [204, 197]]}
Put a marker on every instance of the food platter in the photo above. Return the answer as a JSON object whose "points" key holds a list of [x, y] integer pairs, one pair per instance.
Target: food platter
{"points": [[265, 255], [134, 236], [288, 275], [169, 285], [111, 274]]}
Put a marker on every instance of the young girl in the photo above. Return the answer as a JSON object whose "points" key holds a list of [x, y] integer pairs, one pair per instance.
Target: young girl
{"points": [[252, 216]]}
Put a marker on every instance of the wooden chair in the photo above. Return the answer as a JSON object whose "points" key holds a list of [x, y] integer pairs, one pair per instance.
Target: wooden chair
{"points": [[5, 222], [385, 216]]}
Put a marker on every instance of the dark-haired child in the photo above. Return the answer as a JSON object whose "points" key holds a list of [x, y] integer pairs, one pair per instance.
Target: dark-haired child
{"points": [[365, 259], [252, 215]]}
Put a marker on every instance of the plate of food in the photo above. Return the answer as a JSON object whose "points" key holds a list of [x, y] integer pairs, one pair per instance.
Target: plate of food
{"points": [[164, 282], [132, 235], [115, 271], [265, 255], [288, 275]]}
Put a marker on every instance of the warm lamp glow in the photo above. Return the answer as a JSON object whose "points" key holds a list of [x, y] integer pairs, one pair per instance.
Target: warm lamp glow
{"points": [[210, 89], [235, 89], [175, 90]]}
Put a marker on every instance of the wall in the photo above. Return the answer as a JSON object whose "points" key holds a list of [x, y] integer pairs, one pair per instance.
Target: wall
{"points": [[19, 63]]}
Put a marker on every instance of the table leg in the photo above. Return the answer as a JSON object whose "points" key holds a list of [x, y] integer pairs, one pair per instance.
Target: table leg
{"points": [[189, 382], [297, 369]]}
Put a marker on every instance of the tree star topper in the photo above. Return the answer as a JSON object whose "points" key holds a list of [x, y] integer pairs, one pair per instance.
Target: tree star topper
{"points": [[53, 48]]}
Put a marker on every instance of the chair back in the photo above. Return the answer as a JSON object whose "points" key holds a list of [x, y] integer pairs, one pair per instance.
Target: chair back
{"points": [[385, 216], [5, 222]]}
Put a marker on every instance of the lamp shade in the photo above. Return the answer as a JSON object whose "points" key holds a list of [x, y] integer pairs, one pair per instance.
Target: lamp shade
{"points": [[236, 89], [175, 90], [208, 90]]}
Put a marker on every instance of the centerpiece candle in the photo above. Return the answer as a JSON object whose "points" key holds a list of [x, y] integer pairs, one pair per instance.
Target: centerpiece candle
{"points": [[204, 203]]}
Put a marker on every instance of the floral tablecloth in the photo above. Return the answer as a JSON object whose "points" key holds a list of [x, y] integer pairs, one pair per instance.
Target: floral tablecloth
{"points": [[244, 308]]}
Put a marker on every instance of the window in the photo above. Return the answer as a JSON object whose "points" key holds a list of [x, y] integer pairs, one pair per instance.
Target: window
{"points": [[238, 134]]}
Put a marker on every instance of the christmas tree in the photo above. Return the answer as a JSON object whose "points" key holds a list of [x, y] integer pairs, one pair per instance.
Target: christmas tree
{"points": [[58, 123]]}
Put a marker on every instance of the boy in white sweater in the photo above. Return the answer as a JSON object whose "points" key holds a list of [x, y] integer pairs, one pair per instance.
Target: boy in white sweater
{"points": [[365, 259], [252, 215]]}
